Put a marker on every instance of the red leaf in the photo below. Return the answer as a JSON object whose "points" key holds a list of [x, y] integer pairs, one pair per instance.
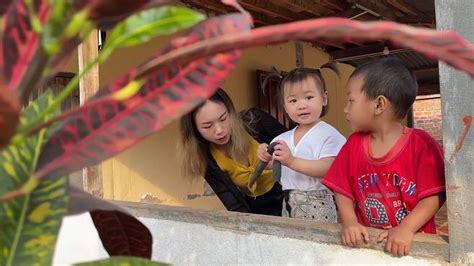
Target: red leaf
{"points": [[22, 56], [122, 234], [4, 4], [106, 126], [9, 116]]}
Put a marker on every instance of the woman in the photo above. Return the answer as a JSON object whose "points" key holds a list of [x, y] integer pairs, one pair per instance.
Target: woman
{"points": [[216, 144]]}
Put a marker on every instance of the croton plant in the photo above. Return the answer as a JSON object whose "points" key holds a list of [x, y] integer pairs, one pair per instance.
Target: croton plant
{"points": [[40, 146]]}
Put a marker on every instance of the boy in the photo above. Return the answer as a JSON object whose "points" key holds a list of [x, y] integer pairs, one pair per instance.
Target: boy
{"points": [[386, 175]]}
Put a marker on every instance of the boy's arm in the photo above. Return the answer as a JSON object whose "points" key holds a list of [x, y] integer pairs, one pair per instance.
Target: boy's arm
{"points": [[423, 212], [430, 179], [353, 233], [399, 238]]}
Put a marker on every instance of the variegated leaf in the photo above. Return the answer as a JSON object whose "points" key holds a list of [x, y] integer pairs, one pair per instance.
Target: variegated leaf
{"points": [[4, 6], [9, 115], [122, 261], [21, 51], [29, 224], [134, 30]]}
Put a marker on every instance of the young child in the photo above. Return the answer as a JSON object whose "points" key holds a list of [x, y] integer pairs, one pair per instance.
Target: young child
{"points": [[386, 175], [307, 151]]}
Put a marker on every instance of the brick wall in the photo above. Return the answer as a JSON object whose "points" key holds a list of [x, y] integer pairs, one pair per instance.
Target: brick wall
{"points": [[427, 115]]}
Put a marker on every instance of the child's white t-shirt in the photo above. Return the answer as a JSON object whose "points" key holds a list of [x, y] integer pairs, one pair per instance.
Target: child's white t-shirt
{"points": [[322, 140]]}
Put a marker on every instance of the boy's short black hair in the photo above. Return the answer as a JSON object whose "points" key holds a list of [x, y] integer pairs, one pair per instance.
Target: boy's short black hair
{"points": [[391, 78]]}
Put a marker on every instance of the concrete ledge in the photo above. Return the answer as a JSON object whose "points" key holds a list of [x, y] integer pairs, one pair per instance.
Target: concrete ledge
{"points": [[424, 245]]}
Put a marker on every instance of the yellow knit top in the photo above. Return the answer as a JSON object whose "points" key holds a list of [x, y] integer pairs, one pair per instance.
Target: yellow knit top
{"points": [[240, 174]]}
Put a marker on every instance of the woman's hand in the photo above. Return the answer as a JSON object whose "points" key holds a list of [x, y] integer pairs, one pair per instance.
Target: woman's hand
{"points": [[262, 153], [283, 154]]}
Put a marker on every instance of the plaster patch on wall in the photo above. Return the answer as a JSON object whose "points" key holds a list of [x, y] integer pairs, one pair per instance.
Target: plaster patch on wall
{"points": [[469, 258], [149, 198]]}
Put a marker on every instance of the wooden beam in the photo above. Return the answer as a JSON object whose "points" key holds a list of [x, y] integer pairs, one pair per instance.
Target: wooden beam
{"points": [[267, 8], [337, 5], [214, 6], [404, 7], [374, 9], [333, 43], [426, 73], [457, 104], [356, 42], [265, 20], [425, 21], [428, 89], [362, 52], [348, 13], [308, 6], [219, 8], [88, 86]]}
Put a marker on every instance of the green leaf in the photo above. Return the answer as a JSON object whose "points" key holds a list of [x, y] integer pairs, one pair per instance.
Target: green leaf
{"points": [[122, 261], [29, 224], [151, 23]]}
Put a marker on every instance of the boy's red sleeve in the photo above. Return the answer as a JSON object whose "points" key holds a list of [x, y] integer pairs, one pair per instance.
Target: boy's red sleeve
{"points": [[338, 177], [430, 179]]}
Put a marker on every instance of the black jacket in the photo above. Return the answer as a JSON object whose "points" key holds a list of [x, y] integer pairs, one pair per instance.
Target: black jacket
{"points": [[264, 128]]}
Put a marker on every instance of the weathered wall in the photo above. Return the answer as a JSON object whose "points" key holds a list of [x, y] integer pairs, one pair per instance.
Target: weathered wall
{"points": [[190, 237], [457, 104]]}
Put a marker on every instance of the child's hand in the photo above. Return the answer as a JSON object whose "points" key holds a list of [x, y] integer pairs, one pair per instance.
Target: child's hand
{"points": [[262, 153], [354, 234], [398, 240], [283, 154]]}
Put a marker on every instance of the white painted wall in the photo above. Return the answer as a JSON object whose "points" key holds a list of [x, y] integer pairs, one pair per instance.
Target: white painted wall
{"points": [[182, 243]]}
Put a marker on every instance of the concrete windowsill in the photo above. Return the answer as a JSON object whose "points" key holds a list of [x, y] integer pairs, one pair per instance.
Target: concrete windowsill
{"points": [[424, 245]]}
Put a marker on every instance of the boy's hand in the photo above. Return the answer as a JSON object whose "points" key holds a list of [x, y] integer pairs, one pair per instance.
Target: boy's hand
{"points": [[398, 240], [283, 154], [354, 234], [262, 153]]}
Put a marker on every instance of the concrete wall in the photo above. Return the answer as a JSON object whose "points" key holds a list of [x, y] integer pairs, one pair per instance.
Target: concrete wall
{"points": [[150, 171], [190, 237], [457, 105]]}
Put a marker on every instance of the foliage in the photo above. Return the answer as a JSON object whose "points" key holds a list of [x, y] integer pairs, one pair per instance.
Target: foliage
{"points": [[40, 147]]}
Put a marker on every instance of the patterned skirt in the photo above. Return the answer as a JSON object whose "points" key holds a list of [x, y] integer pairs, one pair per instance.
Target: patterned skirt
{"points": [[317, 205]]}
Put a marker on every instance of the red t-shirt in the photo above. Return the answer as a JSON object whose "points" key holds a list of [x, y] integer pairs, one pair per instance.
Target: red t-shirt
{"points": [[387, 189]]}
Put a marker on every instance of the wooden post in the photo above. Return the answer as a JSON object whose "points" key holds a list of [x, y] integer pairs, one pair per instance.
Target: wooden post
{"points": [[88, 86], [457, 94], [299, 51]]}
